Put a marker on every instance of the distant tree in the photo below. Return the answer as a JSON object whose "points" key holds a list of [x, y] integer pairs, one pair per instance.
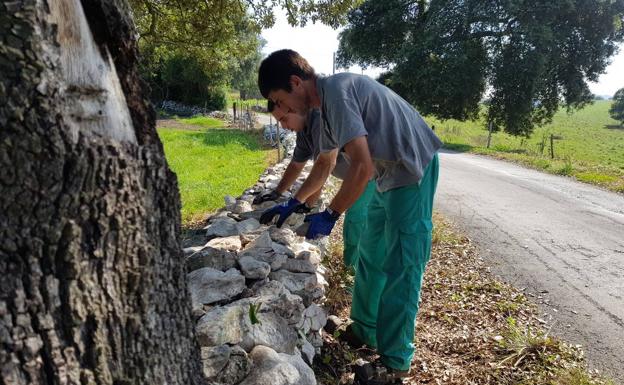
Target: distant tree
{"points": [[245, 76], [214, 43], [531, 56], [617, 108]]}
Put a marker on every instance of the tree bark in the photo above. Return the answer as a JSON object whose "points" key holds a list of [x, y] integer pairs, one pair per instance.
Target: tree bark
{"points": [[92, 280]]}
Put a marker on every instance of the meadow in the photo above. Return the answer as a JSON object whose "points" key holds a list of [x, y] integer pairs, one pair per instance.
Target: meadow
{"points": [[591, 148]]}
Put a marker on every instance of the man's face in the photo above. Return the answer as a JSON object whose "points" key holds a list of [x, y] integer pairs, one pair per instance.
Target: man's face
{"points": [[289, 120], [294, 101]]}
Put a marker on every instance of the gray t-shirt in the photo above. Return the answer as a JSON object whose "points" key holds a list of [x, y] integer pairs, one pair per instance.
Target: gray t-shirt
{"points": [[400, 142], [306, 145]]}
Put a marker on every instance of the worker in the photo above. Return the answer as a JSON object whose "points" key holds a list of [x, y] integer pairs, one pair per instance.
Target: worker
{"points": [[307, 131], [385, 138]]}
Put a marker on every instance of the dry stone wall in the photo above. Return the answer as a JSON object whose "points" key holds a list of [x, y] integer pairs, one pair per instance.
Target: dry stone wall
{"points": [[257, 293]]}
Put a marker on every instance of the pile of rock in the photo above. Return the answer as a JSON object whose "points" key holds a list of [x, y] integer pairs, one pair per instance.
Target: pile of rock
{"points": [[256, 292]]}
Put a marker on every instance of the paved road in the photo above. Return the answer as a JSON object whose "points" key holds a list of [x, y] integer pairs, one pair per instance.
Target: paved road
{"points": [[561, 240]]}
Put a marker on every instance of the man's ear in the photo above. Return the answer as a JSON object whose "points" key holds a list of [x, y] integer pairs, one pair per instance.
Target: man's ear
{"points": [[295, 82]]}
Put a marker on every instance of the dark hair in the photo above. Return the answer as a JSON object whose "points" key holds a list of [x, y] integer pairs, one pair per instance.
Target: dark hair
{"points": [[275, 71], [270, 105]]}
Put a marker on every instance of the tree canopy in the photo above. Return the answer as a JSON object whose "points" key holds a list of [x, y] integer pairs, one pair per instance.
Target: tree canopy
{"points": [[617, 108], [524, 58], [209, 44]]}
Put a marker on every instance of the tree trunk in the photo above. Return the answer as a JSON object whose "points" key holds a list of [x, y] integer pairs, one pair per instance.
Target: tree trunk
{"points": [[92, 287]]}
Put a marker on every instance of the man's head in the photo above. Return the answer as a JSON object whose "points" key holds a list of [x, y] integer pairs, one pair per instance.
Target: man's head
{"points": [[281, 79], [289, 120]]}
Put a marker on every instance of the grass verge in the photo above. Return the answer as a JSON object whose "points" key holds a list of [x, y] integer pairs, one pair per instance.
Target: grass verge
{"points": [[591, 149], [472, 329], [211, 163]]}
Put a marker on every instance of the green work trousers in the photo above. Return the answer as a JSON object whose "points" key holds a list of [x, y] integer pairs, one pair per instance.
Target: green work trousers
{"points": [[354, 222], [393, 251]]}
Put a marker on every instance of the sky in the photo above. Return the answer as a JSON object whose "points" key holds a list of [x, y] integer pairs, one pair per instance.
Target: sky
{"points": [[318, 42]]}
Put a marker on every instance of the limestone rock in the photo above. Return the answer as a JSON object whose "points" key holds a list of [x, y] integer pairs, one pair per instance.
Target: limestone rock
{"points": [[263, 242], [248, 225], [279, 300], [224, 364], [295, 220], [208, 285], [221, 227], [210, 257], [307, 352], [241, 206], [282, 235], [281, 249], [295, 282], [268, 256], [299, 266], [254, 269], [273, 368], [232, 324], [232, 243], [314, 318], [230, 201]]}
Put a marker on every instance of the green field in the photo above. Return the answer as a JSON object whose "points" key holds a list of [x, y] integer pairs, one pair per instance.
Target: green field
{"points": [[202, 121], [592, 148], [212, 163]]}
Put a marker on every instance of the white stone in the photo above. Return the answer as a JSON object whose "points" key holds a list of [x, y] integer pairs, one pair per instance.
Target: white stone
{"points": [[207, 285], [299, 266], [232, 243], [282, 235], [232, 324], [210, 257], [247, 226], [222, 227], [307, 351], [295, 282], [314, 318], [273, 368], [241, 206], [264, 241], [254, 269], [281, 249]]}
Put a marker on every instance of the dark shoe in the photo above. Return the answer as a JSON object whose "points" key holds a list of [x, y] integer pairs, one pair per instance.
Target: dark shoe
{"points": [[376, 373], [349, 337]]}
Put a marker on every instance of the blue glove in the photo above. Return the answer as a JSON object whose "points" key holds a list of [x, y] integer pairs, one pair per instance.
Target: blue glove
{"points": [[283, 210], [321, 223]]}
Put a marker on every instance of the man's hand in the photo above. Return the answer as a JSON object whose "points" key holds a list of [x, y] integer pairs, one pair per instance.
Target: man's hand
{"points": [[268, 196], [321, 224], [283, 210]]}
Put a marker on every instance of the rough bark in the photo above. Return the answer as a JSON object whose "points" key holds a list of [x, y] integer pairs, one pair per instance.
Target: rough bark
{"points": [[92, 283]]}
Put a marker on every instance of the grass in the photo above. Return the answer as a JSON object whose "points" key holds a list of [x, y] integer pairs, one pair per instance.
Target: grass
{"points": [[592, 148], [211, 163], [202, 121]]}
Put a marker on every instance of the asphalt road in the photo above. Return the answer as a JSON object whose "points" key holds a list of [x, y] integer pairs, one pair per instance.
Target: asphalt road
{"points": [[561, 241]]}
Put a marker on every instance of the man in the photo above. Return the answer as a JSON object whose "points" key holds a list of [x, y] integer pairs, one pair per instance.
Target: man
{"points": [[306, 148], [384, 137]]}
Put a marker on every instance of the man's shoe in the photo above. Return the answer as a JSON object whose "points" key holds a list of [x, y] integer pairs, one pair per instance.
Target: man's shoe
{"points": [[376, 373]]}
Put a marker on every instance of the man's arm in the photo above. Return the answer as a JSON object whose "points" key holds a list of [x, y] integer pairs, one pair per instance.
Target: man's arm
{"points": [[361, 170], [290, 176], [323, 166]]}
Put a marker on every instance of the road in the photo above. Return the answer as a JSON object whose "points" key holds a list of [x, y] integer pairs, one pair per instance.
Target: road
{"points": [[560, 240]]}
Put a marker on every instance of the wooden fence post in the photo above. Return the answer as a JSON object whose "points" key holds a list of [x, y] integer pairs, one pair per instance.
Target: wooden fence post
{"points": [[489, 134], [552, 146]]}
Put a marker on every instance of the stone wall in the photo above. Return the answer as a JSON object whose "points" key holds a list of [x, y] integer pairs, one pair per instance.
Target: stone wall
{"points": [[257, 293]]}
